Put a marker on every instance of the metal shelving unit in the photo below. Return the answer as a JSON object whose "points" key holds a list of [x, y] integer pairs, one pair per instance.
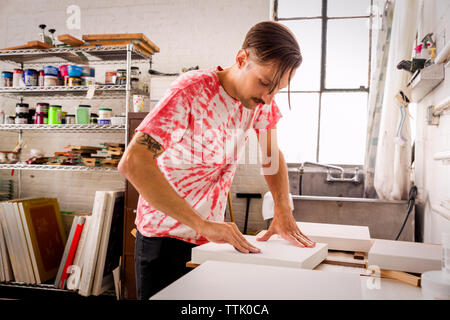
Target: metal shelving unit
{"points": [[86, 128], [76, 55], [43, 167], [95, 55], [63, 92], [34, 58]]}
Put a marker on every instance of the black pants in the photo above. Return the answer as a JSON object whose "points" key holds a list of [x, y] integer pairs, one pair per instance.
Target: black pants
{"points": [[159, 261]]}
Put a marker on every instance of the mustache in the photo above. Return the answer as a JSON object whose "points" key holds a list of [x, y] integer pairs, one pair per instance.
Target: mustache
{"points": [[258, 100]]}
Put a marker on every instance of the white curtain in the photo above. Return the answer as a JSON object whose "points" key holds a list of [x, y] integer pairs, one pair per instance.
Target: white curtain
{"points": [[393, 159], [377, 85]]}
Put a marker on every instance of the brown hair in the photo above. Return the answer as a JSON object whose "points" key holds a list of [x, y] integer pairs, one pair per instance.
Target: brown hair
{"points": [[272, 42]]}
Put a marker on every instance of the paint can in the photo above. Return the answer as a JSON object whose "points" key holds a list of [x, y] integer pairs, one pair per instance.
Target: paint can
{"points": [[70, 119], [74, 81], [40, 118], [18, 78], [103, 121], [82, 114], [21, 118], [55, 115], [10, 120], [7, 79], [41, 78], [105, 113], [110, 77], [22, 108], [50, 81], [30, 77]]}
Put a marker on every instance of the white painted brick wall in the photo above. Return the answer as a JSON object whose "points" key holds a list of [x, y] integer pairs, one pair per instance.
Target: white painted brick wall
{"points": [[188, 32], [433, 177]]}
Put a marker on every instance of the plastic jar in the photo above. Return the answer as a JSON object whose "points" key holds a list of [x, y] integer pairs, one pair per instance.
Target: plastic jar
{"points": [[110, 77], [7, 79], [51, 71], [435, 285], [40, 118], [135, 72], [103, 121], [50, 81], [105, 113], [42, 107], [134, 83], [21, 118], [121, 73], [41, 78], [31, 115], [74, 81], [87, 81], [30, 77], [18, 78], [22, 108], [82, 115], [70, 119], [55, 115], [93, 118], [121, 80]]}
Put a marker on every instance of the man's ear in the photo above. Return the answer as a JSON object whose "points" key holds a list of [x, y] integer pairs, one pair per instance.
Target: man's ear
{"points": [[242, 58]]}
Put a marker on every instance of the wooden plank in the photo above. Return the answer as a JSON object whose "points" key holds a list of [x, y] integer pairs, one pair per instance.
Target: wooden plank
{"points": [[343, 258], [121, 43], [31, 45], [121, 36], [190, 264], [359, 255], [143, 47], [404, 277], [401, 276], [39, 45], [71, 41]]}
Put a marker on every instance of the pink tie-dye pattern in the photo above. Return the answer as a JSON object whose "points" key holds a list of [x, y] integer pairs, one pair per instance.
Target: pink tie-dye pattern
{"points": [[196, 117]]}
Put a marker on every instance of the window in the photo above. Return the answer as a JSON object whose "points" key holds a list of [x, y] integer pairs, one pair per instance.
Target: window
{"points": [[328, 117]]}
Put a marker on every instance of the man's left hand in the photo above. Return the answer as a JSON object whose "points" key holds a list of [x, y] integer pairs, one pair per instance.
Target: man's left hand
{"points": [[284, 224]]}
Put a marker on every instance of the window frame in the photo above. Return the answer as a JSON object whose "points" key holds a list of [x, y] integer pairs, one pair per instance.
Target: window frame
{"points": [[322, 89]]}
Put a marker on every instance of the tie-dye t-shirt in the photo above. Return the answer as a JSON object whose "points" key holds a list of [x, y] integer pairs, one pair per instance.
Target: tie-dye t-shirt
{"points": [[203, 131]]}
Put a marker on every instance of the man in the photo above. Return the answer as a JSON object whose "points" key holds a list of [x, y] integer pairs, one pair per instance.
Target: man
{"points": [[184, 154]]}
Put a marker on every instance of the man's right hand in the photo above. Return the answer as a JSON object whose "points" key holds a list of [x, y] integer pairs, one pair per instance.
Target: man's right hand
{"points": [[227, 232]]}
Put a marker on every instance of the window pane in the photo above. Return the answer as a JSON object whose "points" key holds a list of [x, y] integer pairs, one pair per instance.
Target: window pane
{"points": [[347, 53], [348, 8], [297, 129], [308, 34], [299, 8], [343, 128]]}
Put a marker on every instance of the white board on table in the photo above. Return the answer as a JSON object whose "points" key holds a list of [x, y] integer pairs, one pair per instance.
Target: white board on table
{"points": [[338, 236], [218, 280], [405, 256], [274, 252]]}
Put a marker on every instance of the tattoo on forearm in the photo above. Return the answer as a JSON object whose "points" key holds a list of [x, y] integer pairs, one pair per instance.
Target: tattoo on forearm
{"points": [[151, 144]]}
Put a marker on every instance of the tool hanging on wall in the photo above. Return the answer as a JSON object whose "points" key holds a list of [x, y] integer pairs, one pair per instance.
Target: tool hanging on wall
{"points": [[52, 32], [45, 38], [404, 101]]}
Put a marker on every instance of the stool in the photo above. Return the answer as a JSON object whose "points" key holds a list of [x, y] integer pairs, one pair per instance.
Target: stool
{"points": [[248, 196]]}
